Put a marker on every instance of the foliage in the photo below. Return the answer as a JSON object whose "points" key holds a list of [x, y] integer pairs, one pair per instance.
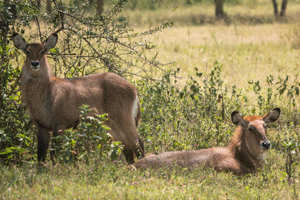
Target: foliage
{"points": [[193, 116], [292, 147], [167, 119], [15, 139], [91, 140]]}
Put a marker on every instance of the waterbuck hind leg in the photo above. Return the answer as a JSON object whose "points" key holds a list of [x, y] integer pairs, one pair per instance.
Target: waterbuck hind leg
{"points": [[43, 143], [138, 150], [129, 155]]}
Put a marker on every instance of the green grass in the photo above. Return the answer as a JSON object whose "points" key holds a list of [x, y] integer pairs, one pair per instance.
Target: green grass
{"points": [[114, 181]]}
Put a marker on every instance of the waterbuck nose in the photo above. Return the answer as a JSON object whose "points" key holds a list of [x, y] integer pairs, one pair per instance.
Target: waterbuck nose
{"points": [[35, 64], [266, 145]]}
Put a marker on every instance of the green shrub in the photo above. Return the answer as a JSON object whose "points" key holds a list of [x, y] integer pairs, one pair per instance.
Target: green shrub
{"points": [[90, 142]]}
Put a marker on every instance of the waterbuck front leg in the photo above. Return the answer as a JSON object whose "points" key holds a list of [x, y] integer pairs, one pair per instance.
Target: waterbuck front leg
{"points": [[43, 143], [137, 149]]}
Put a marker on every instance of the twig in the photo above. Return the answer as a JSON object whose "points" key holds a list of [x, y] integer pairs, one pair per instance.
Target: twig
{"points": [[62, 20], [38, 25]]}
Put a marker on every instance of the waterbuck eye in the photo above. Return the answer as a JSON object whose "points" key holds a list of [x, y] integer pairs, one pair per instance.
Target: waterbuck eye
{"points": [[265, 125], [27, 51], [251, 129], [42, 52]]}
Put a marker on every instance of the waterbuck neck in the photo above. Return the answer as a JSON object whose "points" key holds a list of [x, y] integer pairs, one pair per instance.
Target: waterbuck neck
{"points": [[36, 87]]}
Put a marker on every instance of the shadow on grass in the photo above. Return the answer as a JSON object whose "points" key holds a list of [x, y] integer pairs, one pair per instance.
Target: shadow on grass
{"points": [[201, 19]]}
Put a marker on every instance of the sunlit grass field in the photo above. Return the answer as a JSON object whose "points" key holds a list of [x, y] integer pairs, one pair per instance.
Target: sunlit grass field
{"points": [[246, 52], [250, 45]]}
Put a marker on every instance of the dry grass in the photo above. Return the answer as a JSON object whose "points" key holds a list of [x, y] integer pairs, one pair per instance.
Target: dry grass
{"points": [[244, 12], [250, 43], [246, 52]]}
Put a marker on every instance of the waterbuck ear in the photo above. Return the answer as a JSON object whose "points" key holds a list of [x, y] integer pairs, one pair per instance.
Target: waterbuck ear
{"points": [[50, 42], [237, 118], [19, 41], [272, 116]]}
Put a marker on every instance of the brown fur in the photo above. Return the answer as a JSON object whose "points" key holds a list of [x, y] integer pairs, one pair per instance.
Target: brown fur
{"points": [[53, 102], [243, 155]]}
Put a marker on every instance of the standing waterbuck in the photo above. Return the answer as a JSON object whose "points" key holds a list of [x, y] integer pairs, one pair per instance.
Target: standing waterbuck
{"points": [[53, 103], [244, 154]]}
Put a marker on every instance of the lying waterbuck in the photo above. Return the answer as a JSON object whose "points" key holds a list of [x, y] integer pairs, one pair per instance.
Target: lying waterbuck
{"points": [[53, 102], [244, 154]]}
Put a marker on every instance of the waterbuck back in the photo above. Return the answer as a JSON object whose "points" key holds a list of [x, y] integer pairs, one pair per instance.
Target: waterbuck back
{"points": [[53, 102], [243, 155]]}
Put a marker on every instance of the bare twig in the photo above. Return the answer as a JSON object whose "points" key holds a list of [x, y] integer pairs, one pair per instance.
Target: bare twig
{"points": [[38, 25], [62, 20]]}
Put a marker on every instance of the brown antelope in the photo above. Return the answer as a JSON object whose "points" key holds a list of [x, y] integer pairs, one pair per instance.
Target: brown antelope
{"points": [[53, 102], [244, 154]]}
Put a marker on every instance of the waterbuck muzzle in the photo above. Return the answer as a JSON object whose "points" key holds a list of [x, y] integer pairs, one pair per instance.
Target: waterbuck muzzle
{"points": [[265, 145], [35, 65]]}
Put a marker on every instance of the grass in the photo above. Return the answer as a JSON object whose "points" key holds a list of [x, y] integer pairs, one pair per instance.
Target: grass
{"points": [[247, 49], [246, 52], [245, 12], [243, 50], [114, 181]]}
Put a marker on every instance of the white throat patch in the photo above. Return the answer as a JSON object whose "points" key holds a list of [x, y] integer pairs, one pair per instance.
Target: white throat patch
{"points": [[135, 108]]}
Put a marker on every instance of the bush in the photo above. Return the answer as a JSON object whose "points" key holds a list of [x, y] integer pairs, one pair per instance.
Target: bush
{"points": [[15, 133], [90, 142]]}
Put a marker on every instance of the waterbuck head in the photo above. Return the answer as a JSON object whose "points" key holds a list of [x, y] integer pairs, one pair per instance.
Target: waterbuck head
{"points": [[254, 130], [35, 53]]}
